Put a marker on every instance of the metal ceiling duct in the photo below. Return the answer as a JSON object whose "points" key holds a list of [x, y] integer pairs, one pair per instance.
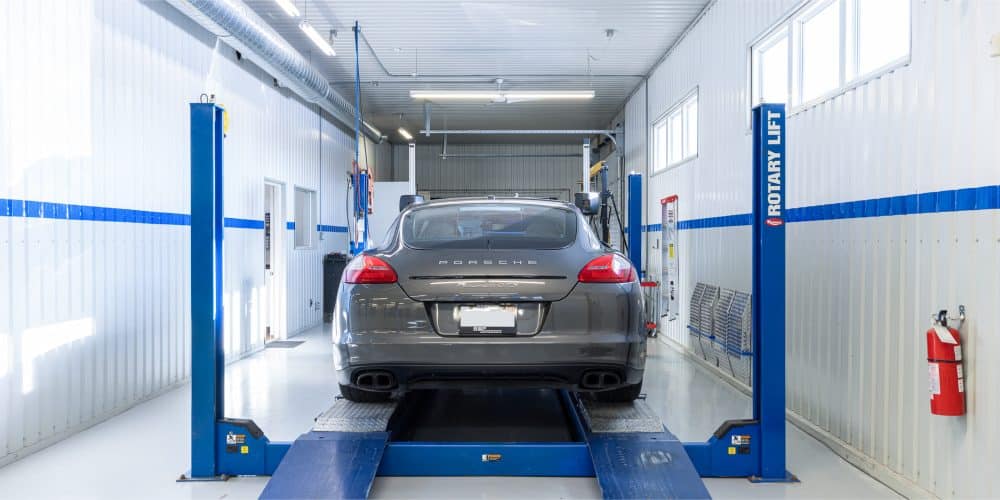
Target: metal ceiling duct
{"points": [[239, 27]]}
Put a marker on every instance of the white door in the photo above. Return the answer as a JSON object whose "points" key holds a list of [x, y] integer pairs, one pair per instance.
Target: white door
{"points": [[273, 303]]}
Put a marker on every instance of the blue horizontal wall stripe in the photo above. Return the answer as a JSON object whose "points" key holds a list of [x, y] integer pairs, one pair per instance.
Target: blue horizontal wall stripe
{"points": [[953, 200], [243, 223], [67, 211], [721, 221]]}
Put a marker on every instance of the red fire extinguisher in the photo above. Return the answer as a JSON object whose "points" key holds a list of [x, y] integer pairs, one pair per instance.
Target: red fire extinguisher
{"points": [[946, 382]]}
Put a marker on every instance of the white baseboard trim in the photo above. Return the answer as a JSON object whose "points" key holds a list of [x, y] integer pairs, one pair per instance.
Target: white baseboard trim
{"points": [[892, 479]]}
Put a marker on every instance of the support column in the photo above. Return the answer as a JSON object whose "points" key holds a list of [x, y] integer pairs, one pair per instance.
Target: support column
{"points": [[207, 355], [769, 288], [412, 166], [634, 217]]}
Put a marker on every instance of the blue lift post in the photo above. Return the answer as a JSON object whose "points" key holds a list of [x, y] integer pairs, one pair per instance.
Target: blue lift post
{"points": [[769, 183], [635, 221], [220, 446], [755, 448]]}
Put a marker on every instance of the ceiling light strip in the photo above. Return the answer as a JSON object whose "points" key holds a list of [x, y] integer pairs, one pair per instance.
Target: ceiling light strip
{"points": [[288, 7], [317, 39]]}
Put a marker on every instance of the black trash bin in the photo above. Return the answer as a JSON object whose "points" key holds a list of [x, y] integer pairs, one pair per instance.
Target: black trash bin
{"points": [[333, 269]]}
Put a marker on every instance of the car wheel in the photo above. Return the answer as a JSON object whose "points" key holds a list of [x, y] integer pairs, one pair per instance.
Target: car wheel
{"points": [[362, 396], [625, 394]]}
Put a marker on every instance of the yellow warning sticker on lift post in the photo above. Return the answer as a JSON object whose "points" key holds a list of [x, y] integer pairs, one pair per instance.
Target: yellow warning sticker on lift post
{"points": [[732, 450], [244, 449]]}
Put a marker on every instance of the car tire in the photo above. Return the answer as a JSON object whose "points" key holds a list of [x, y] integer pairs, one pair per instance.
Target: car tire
{"points": [[362, 396], [625, 394]]}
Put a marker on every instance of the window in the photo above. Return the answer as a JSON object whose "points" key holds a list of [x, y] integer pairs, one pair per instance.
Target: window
{"points": [[771, 72], [820, 54], [483, 226], [883, 33], [660, 145], [305, 217], [827, 46], [675, 136]]}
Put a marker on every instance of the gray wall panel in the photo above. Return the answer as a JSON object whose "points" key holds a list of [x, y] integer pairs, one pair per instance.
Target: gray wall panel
{"points": [[479, 176]]}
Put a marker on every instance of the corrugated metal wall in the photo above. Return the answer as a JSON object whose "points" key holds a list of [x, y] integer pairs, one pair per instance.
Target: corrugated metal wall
{"points": [[94, 314], [633, 145], [860, 291], [481, 176]]}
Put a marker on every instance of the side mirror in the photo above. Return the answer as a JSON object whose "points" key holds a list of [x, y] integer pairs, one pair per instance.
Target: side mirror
{"points": [[409, 199], [588, 203]]}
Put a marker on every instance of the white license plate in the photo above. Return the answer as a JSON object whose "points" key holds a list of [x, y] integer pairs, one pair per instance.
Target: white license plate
{"points": [[488, 319]]}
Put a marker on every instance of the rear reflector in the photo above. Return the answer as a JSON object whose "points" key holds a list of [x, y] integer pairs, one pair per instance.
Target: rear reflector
{"points": [[610, 268], [368, 270]]}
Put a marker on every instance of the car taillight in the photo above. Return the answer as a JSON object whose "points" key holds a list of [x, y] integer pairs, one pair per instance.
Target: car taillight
{"points": [[610, 268], [369, 270]]}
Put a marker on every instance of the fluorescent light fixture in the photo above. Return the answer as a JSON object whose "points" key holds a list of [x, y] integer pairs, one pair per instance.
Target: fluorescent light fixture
{"points": [[288, 7], [533, 95], [449, 94], [406, 134], [541, 94], [317, 39]]}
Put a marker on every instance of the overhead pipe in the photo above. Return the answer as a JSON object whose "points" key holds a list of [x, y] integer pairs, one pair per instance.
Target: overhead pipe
{"points": [[415, 75], [245, 31], [509, 155], [585, 132]]}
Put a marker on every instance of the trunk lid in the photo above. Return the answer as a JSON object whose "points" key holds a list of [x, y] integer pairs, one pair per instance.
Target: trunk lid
{"points": [[488, 275]]}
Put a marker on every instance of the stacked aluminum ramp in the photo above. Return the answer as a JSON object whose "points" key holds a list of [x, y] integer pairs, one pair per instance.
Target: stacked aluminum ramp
{"points": [[739, 340], [694, 319], [720, 324], [720, 328]]}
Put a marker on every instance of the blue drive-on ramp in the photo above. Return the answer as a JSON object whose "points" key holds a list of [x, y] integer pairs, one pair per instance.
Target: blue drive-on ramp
{"points": [[644, 465], [635, 456], [328, 465]]}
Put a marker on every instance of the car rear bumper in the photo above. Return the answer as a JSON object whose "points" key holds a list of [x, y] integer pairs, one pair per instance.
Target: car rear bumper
{"points": [[436, 376], [545, 360]]}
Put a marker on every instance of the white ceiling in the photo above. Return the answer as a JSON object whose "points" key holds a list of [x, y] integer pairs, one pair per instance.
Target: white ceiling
{"points": [[451, 44]]}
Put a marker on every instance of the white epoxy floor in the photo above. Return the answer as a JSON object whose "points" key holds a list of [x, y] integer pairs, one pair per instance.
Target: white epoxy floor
{"points": [[139, 453]]}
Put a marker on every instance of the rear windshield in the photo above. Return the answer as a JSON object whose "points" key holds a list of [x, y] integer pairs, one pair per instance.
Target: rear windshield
{"points": [[488, 226]]}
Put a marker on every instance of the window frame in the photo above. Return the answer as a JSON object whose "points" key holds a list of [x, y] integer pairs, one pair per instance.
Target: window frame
{"points": [[658, 142], [313, 211], [789, 28], [677, 110]]}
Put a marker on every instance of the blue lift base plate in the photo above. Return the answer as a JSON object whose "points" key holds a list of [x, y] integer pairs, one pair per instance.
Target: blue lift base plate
{"points": [[789, 478]]}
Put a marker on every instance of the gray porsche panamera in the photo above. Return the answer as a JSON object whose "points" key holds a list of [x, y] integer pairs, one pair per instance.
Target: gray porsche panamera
{"points": [[487, 292]]}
